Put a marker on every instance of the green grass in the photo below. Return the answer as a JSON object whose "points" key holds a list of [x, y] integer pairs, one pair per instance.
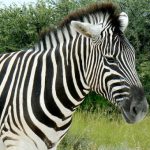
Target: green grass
{"points": [[96, 131]]}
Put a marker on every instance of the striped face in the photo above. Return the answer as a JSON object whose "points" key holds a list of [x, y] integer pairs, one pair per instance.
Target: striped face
{"points": [[112, 61], [117, 68], [120, 81]]}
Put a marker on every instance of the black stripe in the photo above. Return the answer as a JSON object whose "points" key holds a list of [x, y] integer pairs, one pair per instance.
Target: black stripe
{"points": [[48, 97], [30, 123], [44, 43], [7, 86], [35, 100], [19, 85]]}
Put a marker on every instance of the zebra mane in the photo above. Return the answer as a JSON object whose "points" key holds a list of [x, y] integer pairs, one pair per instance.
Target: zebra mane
{"points": [[103, 8]]}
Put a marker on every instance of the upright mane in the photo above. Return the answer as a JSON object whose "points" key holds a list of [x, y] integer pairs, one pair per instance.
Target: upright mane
{"points": [[93, 9]]}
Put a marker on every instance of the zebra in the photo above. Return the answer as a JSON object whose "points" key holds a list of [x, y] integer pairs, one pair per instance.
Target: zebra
{"points": [[42, 87]]}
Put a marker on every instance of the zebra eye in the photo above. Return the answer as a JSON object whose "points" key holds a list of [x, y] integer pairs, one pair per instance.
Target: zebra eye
{"points": [[111, 59]]}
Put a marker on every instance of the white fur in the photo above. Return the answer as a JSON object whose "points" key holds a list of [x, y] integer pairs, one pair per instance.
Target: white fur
{"points": [[2, 146], [87, 29], [123, 17], [22, 144], [54, 148]]}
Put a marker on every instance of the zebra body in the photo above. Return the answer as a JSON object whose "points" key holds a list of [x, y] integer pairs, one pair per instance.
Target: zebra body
{"points": [[39, 96], [41, 88], [24, 92]]}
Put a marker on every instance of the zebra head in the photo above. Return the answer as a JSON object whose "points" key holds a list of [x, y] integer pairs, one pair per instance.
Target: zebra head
{"points": [[110, 69]]}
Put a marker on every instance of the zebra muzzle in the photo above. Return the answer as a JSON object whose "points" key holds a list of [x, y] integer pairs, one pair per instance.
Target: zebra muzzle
{"points": [[133, 110]]}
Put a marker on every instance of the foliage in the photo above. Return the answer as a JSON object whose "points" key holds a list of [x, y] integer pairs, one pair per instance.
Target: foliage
{"points": [[139, 25], [144, 70], [20, 27]]}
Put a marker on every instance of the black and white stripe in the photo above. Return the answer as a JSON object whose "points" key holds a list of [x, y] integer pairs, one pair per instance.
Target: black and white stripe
{"points": [[41, 88]]}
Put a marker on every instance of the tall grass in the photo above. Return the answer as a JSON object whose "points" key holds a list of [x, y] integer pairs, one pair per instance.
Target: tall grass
{"points": [[95, 131]]}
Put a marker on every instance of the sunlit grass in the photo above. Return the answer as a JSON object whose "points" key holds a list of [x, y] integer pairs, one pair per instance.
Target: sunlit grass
{"points": [[95, 131]]}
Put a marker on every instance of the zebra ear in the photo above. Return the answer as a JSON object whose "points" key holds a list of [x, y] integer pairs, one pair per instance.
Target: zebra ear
{"points": [[123, 17], [86, 29]]}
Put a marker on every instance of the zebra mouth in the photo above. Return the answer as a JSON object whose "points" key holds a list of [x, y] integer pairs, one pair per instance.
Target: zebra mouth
{"points": [[131, 118], [128, 118], [126, 115], [133, 110]]}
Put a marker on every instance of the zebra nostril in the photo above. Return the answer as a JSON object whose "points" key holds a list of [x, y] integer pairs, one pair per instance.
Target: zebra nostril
{"points": [[134, 110]]}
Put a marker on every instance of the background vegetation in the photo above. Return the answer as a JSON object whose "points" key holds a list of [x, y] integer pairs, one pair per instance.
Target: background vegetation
{"points": [[98, 131], [20, 28]]}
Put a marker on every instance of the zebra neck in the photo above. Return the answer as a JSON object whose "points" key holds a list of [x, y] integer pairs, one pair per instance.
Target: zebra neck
{"points": [[67, 56]]}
